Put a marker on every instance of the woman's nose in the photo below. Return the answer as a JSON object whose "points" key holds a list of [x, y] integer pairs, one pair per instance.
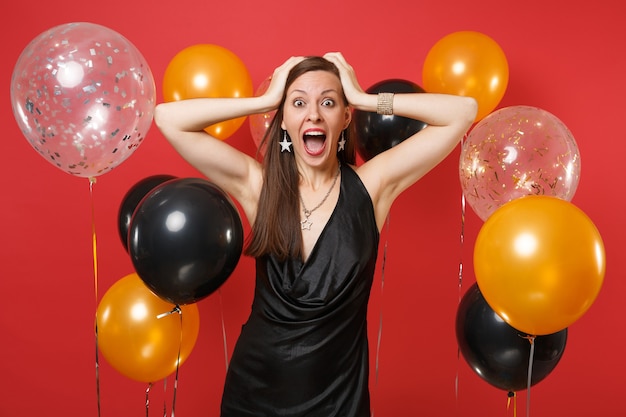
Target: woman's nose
{"points": [[314, 114]]}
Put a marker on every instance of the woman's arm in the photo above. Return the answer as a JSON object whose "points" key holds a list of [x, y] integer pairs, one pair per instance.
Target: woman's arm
{"points": [[183, 122], [388, 174]]}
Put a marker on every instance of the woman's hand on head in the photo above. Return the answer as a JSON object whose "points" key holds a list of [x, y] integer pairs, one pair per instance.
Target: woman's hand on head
{"points": [[276, 90], [351, 87]]}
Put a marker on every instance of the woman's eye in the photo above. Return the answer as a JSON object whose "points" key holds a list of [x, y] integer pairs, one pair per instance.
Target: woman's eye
{"points": [[298, 103], [328, 102]]}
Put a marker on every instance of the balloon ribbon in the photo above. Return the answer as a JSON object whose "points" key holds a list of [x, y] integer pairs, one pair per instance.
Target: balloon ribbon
{"points": [[462, 236], [219, 291], [461, 241], [513, 395], [148, 398], [531, 339], [176, 309], [92, 181]]}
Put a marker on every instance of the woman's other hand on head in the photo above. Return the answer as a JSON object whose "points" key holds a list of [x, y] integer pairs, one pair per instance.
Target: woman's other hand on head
{"points": [[276, 89], [351, 87]]}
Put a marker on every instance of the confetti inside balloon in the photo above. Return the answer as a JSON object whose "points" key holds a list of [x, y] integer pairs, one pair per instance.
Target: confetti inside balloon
{"points": [[514, 152], [83, 96]]}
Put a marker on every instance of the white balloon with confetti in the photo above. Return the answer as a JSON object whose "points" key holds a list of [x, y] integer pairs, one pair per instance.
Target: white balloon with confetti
{"points": [[514, 152], [83, 96]]}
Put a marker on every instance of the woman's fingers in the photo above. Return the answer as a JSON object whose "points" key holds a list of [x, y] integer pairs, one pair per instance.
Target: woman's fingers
{"points": [[279, 78], [351, 86]]}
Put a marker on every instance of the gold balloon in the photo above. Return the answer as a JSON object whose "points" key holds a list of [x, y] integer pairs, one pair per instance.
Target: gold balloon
{"points": [[467, 63], [539, 262], [206, 70], [136, 335]]}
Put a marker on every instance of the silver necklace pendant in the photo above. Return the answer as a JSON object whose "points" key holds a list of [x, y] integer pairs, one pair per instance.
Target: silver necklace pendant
{"points": [[306, 223]]}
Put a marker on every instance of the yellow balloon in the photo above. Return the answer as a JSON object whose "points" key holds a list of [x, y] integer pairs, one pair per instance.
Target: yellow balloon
{"points": [[135, 340], [539, 262], [467, 63], [206, 70]]}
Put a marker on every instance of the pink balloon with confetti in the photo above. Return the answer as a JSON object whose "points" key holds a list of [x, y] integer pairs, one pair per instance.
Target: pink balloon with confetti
{"points": [[514, 152], [260, 123], [83, 96]]}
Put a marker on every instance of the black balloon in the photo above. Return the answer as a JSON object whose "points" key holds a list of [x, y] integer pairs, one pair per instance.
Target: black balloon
{"points": [[131, 200], [185, 239], [499, 353], [376, 133]]}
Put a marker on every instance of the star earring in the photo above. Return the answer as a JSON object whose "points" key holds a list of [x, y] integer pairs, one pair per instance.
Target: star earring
{"points": [[285, 144], [342, 142]]}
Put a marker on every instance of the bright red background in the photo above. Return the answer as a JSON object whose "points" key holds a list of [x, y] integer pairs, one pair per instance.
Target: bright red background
{"points": [[569, 60]]}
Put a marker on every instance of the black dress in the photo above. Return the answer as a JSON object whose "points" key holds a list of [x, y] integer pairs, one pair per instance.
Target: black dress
{"points": [[304, 350]]}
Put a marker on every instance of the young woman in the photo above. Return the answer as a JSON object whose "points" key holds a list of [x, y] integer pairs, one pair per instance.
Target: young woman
{"points": [[315, 219]]}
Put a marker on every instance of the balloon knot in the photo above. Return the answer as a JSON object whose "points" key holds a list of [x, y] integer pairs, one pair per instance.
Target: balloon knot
{"points": [[176, 309], [530, 338]]}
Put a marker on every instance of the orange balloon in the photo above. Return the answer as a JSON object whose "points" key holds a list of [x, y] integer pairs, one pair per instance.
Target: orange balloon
{"points": [[134, 340], [207, 70], [470, 64], [539, 262]]}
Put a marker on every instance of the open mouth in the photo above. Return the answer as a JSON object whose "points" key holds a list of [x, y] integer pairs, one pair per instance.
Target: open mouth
{"points": [[314, 142]]}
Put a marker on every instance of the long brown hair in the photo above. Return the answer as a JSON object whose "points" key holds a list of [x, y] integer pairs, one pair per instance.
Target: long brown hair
{"points": [[276, 229]]}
